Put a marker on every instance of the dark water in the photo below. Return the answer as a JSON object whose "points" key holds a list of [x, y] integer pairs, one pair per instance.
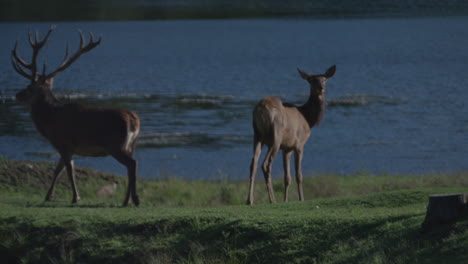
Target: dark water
{"points": [[397, 103], [95, 10]]}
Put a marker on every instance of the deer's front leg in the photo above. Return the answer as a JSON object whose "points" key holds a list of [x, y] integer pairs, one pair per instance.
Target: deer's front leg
{"points": [[71, 174], [298, 162], [57, 173], [287, 173]]}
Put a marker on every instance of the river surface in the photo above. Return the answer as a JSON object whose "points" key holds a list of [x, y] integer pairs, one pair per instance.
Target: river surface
{"points": [[397, 103]]}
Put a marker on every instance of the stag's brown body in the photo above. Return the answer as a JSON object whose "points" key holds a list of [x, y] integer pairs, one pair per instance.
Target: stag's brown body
{"points": [[77, 129], [286, 127], [74, 129]]}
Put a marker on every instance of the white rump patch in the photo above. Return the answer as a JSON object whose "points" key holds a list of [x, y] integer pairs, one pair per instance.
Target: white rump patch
{"points": [[131, 137]]}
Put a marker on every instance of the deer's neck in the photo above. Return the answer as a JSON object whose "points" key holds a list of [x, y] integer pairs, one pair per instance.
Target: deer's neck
{"points": [[313, 109], [43, 111]]}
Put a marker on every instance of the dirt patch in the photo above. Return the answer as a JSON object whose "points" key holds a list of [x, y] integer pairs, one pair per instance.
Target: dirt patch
{"points": [[39, 174]]}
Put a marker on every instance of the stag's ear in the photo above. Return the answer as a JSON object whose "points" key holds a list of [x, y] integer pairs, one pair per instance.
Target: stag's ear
{"points": [[330, 72], [47, 82], [304, 75]]}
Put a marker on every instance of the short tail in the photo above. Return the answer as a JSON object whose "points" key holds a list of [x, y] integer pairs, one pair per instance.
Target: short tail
{"points": [[263, 119]]}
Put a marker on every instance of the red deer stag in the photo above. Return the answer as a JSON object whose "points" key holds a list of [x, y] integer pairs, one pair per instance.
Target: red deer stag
{"points": [[287, 127], [73, 128]]}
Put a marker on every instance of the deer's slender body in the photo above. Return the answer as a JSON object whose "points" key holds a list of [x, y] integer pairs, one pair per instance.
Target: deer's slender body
{"points": [[75, 129], [286, 127]]}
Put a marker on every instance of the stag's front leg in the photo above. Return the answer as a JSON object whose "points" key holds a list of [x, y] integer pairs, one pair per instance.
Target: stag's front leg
{"points": [[298, 164], [57, 174], [287, 173], [71, 174]]}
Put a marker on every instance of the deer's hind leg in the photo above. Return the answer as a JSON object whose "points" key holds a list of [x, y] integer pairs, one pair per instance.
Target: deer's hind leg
{"points": [[253, 168], [266, 167], [268, 163], [131, 164], [71, 174]]}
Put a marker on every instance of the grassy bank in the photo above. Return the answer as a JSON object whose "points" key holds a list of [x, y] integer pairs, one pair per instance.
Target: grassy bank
{"points": [[347, 219]]}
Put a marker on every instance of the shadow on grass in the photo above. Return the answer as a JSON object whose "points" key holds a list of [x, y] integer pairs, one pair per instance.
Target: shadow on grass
{"points": [[63, 204]]}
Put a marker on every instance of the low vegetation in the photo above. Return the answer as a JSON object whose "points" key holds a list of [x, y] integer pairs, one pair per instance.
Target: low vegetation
{"points": [[357, 218]]}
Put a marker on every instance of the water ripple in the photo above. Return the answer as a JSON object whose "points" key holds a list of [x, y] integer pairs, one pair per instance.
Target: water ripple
{"points": [[364, 100]]}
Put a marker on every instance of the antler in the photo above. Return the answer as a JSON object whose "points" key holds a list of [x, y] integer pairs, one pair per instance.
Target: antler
{"points": [[19, 64], [69, 61]]}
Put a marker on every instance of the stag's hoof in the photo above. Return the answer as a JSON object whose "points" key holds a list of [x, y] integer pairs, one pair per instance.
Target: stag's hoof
{"points": [[136, 200]]}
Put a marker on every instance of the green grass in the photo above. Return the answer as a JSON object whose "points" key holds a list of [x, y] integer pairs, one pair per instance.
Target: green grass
{"points": [[359, 218]]}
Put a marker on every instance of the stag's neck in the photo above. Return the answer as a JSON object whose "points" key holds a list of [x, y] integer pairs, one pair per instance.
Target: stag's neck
{"points": [[43, 111], [313, 109], [45, 103]]}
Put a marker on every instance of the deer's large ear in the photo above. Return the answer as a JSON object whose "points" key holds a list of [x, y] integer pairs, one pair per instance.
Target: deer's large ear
{"points": [[48, 82], [304, 75], [330, 72]]}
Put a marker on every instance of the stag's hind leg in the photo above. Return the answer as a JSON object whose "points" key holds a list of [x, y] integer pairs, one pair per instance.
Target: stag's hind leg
{"points": [[71, 174], [131, 164]]}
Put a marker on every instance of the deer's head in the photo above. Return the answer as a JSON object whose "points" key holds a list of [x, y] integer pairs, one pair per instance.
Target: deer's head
{"points": [[41, 84], [317, 81], [37, 91]]}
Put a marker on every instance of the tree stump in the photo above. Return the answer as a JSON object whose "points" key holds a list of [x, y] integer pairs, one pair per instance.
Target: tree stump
{"points": [[445, 209]]}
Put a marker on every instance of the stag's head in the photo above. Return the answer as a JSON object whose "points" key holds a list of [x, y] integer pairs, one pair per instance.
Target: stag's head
{"points": [[41, 84], [35, 92], [318, 81]]}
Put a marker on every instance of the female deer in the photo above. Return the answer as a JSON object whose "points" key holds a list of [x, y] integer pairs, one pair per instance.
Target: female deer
{"points": [[287, 127]]}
